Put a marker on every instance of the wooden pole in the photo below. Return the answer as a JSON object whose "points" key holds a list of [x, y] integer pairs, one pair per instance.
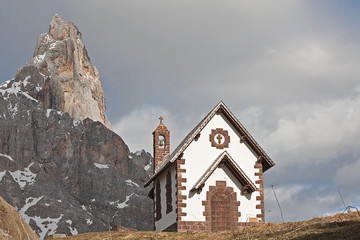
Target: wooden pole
{"points": [[282, 216]]}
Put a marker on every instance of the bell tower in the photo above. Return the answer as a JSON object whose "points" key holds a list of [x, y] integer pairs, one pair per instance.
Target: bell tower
{"points": [[161, 144]]}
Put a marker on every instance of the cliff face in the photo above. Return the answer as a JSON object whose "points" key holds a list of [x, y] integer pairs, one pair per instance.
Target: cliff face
{"points": [[72, 83], [61, 166]]}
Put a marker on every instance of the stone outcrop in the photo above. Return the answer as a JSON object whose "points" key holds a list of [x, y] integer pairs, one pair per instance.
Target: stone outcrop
{"points": [[71, 82], [61, 166]]}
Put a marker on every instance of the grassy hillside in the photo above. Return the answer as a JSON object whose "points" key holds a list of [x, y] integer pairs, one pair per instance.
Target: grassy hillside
{"points": [[12, 225], [340, 226]]}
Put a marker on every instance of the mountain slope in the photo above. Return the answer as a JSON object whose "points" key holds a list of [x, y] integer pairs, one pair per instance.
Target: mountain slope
{"points": [[61, 166]]}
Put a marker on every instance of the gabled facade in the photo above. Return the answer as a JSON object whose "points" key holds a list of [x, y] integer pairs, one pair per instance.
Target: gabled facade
{"points": [[213, 180]]}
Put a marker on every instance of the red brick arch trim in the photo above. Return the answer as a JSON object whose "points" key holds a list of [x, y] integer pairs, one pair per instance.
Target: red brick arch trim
{"points": [[222, 200]]}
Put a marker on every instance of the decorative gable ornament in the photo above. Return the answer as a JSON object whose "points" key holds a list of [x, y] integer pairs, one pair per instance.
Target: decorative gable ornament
{"points": [[213, 180], [219, 138]]}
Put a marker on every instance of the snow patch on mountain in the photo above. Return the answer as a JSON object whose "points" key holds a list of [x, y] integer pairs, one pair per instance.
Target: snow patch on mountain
{"points": [[7, 156], [26, 81], [38, 59], [47, 225], [49, 111], [29, 202], [147, 167], [77, 123], [73, 230], [2, 174], [101, 166], [89, 221], [138, 153], [16, 89], [24, 177], [13, 109], [123, 204], [5, 84], [131, 183]]}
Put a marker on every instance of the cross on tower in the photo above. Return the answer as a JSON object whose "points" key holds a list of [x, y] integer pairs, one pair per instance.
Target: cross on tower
{"points": [[161, 118], [219, 137]]}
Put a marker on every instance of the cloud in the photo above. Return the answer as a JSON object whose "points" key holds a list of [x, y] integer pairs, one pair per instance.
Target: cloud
{"points": [[179, 51], [136, 128], [314, 133], [192, 53], [348, 176], [299, 201]]}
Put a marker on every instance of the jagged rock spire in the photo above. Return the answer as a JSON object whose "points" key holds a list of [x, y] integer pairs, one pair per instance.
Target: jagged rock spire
{"points": [[71, 81], [64, 175]]}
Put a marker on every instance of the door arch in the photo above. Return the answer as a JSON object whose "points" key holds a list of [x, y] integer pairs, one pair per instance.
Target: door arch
{"points": [[221, 208]]}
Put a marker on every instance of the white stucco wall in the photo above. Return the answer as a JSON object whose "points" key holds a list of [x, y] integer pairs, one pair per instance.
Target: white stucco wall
{"points": [[170, 218], [198, 157]]}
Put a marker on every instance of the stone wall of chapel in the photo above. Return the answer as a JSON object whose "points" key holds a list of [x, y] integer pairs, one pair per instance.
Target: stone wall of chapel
{"points": [[167, 219]]}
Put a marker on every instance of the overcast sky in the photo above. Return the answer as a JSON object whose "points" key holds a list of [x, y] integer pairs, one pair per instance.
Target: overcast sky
{"points": [[289, 70]]}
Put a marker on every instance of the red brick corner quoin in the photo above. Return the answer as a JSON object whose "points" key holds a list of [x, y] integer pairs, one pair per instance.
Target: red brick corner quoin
{"points": [[260, 181]]}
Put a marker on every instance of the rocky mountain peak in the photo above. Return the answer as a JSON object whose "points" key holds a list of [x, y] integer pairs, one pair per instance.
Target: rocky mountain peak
{"points": [[61, 166], [72, 83], [59, 29]]}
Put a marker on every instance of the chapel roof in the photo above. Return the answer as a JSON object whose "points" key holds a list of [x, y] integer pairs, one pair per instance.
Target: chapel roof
{"points": [[219, 108]]}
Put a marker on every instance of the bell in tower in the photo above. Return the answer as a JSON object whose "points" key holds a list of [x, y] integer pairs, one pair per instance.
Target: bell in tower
{"points": [[161, 143]]}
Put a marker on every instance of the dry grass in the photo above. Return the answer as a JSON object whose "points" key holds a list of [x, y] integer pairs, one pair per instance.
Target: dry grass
{"points": [[340, 226], [12, 225]]}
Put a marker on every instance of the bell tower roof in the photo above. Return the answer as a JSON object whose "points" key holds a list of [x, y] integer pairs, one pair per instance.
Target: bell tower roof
{"points": [[161, 125]]}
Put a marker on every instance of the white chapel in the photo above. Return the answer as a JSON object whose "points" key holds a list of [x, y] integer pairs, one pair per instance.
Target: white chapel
{"points": [[213, 180]]}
